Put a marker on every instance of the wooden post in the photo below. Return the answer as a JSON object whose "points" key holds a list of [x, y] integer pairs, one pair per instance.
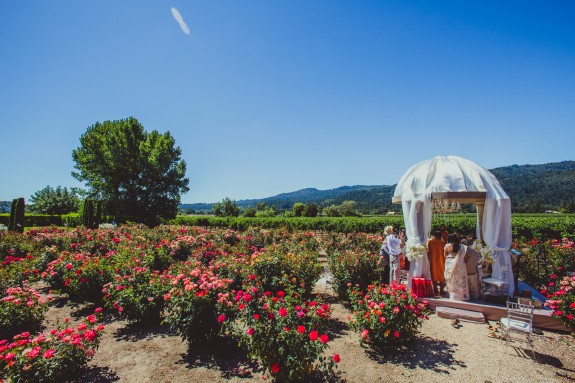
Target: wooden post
{"points": [[479, 206]]}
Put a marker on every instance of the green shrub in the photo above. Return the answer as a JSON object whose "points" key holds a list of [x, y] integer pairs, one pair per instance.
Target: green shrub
{"points": [[354, 260]]}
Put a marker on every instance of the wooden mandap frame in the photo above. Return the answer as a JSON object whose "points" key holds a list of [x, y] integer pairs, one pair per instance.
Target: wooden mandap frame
{"points": [[475, 197]]}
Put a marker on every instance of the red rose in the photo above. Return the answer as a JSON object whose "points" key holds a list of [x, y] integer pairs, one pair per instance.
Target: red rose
{"points": [[282, 312], [324, 339], [221, 318], [275, 368], [300, 329], [336, 358], [313, 335], [250, 331]]}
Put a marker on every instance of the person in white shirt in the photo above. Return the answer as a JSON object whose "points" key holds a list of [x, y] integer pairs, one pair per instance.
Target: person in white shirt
{"points": [[394, 243]]}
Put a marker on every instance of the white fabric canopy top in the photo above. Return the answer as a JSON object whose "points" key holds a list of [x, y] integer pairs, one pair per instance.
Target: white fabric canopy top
{"points": [[455, 176]]}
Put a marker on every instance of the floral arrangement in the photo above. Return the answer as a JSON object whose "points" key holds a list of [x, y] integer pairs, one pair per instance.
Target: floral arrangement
{"points": [[51, 357], [485, 251], [387, 315], [561, 299], [286, 333], [21, 308], [415, 251]]}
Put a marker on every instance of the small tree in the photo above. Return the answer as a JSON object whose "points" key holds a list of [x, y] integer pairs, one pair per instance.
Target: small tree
{"points": [[331, 211], [267, 212], [226, 208], [5, 206], [311, 210], [298, 209], [54, 201], [347, 209], [249, 212]]}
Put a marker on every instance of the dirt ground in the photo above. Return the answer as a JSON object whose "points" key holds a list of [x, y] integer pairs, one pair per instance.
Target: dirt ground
{"points": [[131, 353]]}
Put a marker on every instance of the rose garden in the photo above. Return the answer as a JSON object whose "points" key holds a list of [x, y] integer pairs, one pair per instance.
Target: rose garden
{"points": [[253, 287]]}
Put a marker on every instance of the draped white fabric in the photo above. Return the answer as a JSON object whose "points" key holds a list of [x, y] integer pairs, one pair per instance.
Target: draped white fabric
{"points": [[455, 174]]}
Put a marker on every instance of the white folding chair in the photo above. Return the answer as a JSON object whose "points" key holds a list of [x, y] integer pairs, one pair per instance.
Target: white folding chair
{"points": [[519, 319]]}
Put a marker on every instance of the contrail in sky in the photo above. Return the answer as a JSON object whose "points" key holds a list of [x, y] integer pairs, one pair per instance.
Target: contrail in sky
{"points": [[180, 21]]}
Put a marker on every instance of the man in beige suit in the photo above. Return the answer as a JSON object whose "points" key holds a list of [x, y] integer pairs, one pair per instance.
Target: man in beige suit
{"points": [[471, 258]]}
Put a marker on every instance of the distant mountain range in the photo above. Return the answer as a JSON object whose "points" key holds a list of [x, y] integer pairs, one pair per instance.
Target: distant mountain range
{"points": [[532, 188]]}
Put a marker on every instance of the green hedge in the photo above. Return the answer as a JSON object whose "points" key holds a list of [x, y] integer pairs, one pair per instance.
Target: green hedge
{"points": [[526, 227], [34, 220]]}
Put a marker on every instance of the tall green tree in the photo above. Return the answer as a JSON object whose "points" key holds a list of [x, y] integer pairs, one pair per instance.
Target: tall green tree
{"points": [[54, 201], [140, 176]]}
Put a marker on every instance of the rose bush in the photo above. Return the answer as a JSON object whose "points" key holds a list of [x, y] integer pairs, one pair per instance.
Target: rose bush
{"points": [[278, 270], [21, 308], [386, 315], [544, 258], [195, 302], [80, 275], [283, 331], [52, 358], [137, 296], [561, 298]]}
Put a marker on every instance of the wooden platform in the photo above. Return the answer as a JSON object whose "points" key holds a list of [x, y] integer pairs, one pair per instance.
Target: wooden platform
{"points": [[541, 318], [465, 315]]}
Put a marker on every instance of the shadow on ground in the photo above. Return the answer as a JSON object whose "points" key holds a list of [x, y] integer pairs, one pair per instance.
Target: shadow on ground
{"points": [[224, 355], [544, 359], [98, 374], [134, 332], [336, 328], [423, 352]]}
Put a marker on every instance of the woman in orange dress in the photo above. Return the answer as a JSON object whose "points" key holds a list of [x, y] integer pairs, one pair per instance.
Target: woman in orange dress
{"points": [[435, 253]]}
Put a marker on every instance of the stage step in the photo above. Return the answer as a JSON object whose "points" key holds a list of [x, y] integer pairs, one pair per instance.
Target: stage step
{"points": [[461, 314]]}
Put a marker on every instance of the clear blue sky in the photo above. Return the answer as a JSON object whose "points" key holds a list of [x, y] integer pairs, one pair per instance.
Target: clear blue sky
{"points": [[265, 97]]}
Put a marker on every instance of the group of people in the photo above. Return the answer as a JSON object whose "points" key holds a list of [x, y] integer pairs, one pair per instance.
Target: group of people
{"points": [[452, 260]]}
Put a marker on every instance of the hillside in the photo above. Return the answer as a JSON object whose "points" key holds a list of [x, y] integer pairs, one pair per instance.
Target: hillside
{"points": [[535, 188], [532, 188]]}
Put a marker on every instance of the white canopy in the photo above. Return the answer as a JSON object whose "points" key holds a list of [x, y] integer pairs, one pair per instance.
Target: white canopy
{"points": [[464, 181]]}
